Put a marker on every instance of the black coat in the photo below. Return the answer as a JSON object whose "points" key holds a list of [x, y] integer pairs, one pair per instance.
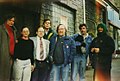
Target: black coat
{"points": [[106, 45]]}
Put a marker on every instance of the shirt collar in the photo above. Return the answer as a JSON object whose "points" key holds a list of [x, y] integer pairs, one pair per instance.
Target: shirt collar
{"points": [[39, 38], [84, 36]]}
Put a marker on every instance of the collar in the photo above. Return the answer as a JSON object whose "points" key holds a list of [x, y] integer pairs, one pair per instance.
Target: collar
{"points": [[39, 38], [7, 26], [84, 36]]}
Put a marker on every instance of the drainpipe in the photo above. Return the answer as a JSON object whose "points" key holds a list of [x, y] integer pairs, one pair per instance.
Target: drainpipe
{"points": [[84, 11]]}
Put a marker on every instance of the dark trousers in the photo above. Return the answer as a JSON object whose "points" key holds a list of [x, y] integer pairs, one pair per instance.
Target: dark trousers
{"points": [[41, 71]]}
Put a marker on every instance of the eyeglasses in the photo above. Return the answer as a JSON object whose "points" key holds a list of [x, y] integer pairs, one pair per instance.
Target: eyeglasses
{"points": [[47, 22], [61, 29], [40, 31]]}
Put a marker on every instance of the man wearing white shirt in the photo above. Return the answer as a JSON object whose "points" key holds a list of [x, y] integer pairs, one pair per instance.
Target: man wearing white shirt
{"points": [[41, 64]]}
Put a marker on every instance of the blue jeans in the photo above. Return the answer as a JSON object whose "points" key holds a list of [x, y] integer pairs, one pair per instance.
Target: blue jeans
{"points": [[78, 66], [59, 72]]}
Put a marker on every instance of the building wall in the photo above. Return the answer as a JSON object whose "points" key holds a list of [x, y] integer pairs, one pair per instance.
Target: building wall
{"points": [[117, 4], [68, 12], [114, 20], [78, 6], [91, 16], [63, 15]]}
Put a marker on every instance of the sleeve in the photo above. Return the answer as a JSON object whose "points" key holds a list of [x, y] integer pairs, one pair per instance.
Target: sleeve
{"points": [[72, 50], [53, 34], [47, 51], [48, 43], [90, 47], [51, 49], [16, 49], [32, 54]]}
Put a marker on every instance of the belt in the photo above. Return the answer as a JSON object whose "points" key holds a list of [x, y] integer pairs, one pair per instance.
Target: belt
{"points": [[40, 61]]}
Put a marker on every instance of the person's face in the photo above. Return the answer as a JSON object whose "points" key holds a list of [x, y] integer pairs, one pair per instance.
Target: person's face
{"points": [[11, 21], [47, 24], [83, 30], [61, 30], [25, 32], [40, 32], [100, 29]]}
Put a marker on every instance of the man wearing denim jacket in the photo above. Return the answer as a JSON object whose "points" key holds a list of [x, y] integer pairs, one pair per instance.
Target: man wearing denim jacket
{"points": [[62, 48], [82, 42]]}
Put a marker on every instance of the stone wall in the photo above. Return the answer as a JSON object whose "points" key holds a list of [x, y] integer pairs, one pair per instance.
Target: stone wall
{"points": [[74, 5]]}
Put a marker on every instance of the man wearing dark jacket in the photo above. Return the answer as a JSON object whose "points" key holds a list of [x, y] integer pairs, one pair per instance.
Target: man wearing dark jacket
{"points": [[62, 49], [102, 48], [49, 34]]}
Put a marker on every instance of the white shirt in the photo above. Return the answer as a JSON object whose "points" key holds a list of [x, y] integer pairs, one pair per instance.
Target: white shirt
{"points": [[38, 49], [85, 36]]}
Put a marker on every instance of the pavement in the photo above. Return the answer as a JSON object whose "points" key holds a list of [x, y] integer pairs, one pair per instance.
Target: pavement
{"points": [[115, 74], [115, 71]]}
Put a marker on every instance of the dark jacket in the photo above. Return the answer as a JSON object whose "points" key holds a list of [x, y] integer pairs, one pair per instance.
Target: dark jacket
{"points": [[107, 47], [49, 35], [69, 48]]}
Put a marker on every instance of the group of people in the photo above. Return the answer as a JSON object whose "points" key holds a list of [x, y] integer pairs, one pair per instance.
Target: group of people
{"points": [[51, 56]]}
